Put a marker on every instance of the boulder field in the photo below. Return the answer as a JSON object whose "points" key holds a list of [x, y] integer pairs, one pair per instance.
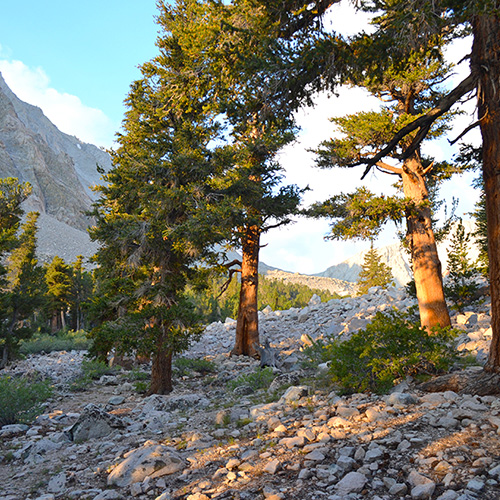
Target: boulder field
{"points": [[210, 440]]}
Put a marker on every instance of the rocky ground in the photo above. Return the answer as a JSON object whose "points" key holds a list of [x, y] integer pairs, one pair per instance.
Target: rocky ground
{"points": [[206, 441]]}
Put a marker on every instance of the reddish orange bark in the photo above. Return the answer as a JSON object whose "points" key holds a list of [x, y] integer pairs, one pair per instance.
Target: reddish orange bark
{"points": [[425, 259], [247, 323], [485, 61]]}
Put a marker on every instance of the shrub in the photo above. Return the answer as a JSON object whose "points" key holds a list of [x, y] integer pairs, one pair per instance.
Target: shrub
{"points": [[390, 347], [186, 365], [259, 379], [66, 341], [21, 399], [91, 370]]}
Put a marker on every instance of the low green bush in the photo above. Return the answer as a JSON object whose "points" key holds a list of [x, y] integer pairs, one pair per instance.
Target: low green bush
{"points": [[185, 366], [21, 399], [391, 347], [91, 370], [65, 341], [259, 379]]}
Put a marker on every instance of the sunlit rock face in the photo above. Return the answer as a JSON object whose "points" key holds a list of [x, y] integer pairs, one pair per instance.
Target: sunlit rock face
{"points": [[60, 168]]}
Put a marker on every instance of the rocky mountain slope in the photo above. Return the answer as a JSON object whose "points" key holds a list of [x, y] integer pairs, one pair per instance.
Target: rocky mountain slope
{"points": [[60, 169], [207, 440]]}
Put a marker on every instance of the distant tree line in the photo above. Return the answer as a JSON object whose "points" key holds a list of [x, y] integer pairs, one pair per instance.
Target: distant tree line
{"points": [[34, 297]]}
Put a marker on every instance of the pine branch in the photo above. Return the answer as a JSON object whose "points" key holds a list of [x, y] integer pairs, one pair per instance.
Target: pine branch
{"points": [[423, 124]]}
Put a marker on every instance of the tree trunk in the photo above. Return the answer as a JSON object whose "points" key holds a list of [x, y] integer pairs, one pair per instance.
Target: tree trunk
{"points": [[63, 320], [247, 324], [485, 60], [161, 372], [425, 259]]}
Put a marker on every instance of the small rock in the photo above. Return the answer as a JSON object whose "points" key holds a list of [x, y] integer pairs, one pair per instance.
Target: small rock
{"points": [[448, 495], [233, 463], [315, 455], [398, 489], [12, 429], [401, 399], [109, 495], [150, 460], [495, 472], [94, 423], [283, 379], [423, 491], [272, 467], [294, 393], [475, 485], [57, 483], [116, 400]]}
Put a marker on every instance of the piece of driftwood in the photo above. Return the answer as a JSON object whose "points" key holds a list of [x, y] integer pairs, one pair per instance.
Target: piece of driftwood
{"points": [[268, 356], [479, 383]]}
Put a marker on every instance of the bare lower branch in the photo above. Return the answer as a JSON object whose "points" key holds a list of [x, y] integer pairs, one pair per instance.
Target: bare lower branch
{"points": [[234, 262], [389, 169], [466, 131], [274, 226], [429, 168], [226, 284]]}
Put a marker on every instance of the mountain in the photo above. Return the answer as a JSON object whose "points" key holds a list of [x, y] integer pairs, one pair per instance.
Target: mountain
{"points": [[397, 259], [60, 169], [392, 255]]}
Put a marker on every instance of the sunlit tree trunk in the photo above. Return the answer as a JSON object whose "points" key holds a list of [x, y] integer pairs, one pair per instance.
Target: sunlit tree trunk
{"points": [[425, 259], [247, 323], [485, 60]]}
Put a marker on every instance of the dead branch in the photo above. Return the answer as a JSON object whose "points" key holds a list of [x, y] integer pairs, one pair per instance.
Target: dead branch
{"points": [[429, 168], [465, 131], [234, 262], [226, 284], [389, 169], [480, 383]]}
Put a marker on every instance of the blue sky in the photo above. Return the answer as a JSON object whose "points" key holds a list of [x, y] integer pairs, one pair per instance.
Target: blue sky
{"points": [[90, 49], [76, 61]]}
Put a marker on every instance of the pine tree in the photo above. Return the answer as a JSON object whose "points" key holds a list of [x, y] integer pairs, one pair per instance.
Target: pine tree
{"points": [[461, 286], [481, 232], [232, 58], [410, 87], [12, 194], [81, 291], [374, 272], [153, 220], [58, 279], [25, 289]]}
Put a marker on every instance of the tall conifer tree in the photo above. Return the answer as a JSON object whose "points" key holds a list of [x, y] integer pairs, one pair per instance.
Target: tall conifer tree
{"points": [[12, 194], [233, 51], [153, 218], [411, 88]]}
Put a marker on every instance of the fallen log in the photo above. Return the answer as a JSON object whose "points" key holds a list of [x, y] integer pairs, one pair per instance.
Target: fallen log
{"points": [[476, 382]]}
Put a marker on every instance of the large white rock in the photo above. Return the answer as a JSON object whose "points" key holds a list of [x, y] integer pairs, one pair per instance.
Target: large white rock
{"points": [[150, 460], [94, 423]]}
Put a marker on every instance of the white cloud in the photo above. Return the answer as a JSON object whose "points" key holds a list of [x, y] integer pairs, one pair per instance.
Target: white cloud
{"points": [[66, 111]]}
